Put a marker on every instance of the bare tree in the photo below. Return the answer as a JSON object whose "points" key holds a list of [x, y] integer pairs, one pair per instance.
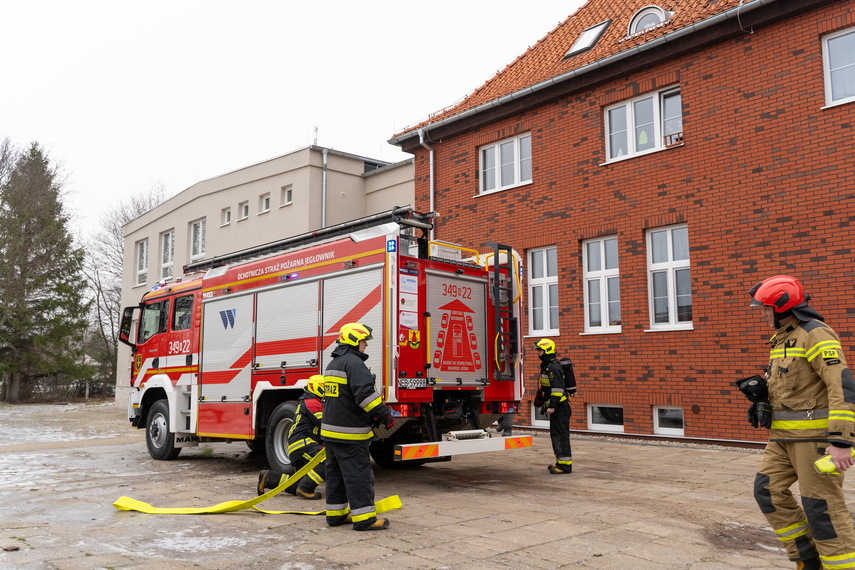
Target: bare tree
{"points": [[103, 271]]}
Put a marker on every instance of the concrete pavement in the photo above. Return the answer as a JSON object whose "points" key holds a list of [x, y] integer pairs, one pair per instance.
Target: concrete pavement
{"points": [[627, 505]]}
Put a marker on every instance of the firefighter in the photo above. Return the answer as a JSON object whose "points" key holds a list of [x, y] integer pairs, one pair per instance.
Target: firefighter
{"points": [[554, 403], [304, 442], [351, 406], [807, 399]]}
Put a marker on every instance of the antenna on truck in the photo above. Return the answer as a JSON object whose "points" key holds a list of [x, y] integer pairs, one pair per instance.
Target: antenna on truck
{"points": [[403, 216]]}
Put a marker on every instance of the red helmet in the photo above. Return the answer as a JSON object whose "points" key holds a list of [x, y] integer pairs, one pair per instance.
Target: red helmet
{"points": [[781, 292]]}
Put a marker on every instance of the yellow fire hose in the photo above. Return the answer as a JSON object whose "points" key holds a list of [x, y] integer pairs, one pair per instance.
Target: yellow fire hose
{"points": [[129, 504]]}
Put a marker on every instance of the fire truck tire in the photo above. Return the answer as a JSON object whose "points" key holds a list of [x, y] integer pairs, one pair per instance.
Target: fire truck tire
{"points": [[257, 445], [276, 440], [158, 438]]}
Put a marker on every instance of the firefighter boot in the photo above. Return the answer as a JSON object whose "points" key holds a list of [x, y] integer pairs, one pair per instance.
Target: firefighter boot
{"points": [[268, 480], [306, 489], [378, 524], [507, 425], [338, 521], [809, 564], [500, 424]]}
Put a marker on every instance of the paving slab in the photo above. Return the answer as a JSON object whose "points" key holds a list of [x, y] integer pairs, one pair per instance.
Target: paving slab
{"points": [[628, 505]]}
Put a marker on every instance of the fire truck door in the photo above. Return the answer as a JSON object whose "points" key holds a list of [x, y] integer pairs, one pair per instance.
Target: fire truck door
{"points": [[458, 330], [151, 341], [227, 327], [354, 298], [287, 328]]}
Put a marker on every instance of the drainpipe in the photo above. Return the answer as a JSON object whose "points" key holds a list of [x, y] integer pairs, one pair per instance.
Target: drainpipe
{"points": [[430, 174], [324, 191]]}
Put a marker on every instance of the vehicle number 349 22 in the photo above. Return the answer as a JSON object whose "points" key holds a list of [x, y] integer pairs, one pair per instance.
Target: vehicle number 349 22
{"points": [[179, 346]]}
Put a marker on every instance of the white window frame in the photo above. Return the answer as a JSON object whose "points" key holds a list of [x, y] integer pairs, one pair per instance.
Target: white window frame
{"points": [[167, 254], [141, 249], [225, 217], [243, 210], [287, 196], [613, 428], [588, 38], [663, 16], [197, 247], [544, 284], [659, 430], [628, 109], [669, 267], [830, 101], [538, 420], [264, 203], [518, 164], [600, 279]]}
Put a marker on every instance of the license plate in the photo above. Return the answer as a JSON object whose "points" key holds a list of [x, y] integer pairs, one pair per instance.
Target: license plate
{"points": [[412, 383]]}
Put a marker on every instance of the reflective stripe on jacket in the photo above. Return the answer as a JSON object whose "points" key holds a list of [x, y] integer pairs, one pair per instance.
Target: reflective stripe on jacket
{"points": [[811, 389], [350, 399], [552, 381], [307, 423]]}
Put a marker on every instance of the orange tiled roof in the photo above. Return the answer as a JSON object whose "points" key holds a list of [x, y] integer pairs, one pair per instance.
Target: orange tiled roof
{"points": [[545, 59]]}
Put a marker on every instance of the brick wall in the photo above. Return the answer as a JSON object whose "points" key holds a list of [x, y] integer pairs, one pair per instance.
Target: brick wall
{"points": [[765, 181]]}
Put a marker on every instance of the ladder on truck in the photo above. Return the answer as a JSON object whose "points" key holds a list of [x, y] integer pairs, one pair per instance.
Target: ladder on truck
{"points": [[506, 342]]}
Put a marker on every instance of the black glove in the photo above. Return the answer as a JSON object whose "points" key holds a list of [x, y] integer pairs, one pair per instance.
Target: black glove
{"points": [[754, 388], [538, 400], [760, 415], [389, 421]]}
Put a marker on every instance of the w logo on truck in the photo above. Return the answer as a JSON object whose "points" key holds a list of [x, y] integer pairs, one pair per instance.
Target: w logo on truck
{"points": [[228, 317]]}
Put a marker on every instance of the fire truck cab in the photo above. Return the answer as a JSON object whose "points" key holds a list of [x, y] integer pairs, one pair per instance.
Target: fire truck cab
{"points": [[225, 356]]}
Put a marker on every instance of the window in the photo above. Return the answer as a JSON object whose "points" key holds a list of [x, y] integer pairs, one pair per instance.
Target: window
{"points": [[668, 421], [142, 262], [543, 291], [538, 419], [588, 39], [167, 253], [287, 195], [197, 240], [605, 417], [225, 216], [648, 17], [264, 203], [644, 124], [182, 313], [602, 285], [243, 208], [669, 277], [506, 164], [153, 320], [838, 60]]}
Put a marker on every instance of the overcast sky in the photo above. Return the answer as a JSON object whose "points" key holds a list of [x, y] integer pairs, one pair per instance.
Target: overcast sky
{"points": [[128, 95]]}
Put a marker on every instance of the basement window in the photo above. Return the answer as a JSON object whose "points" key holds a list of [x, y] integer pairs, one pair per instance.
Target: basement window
{"points": [[588, 39], [668, 421], [605, 417]]}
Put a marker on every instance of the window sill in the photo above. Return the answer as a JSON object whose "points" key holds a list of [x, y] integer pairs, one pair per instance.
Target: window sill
{"points": [[283, 205], [262, 212], [138, 285], [604, 331], [639, 154], [688, 327], [838, 103], [242, 219], [505, 189], [542, 335], [224, 225]]}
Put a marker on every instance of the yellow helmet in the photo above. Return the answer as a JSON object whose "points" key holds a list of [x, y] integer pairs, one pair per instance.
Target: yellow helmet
{"points": [[352, 333], [546, 345], [315, 385]]}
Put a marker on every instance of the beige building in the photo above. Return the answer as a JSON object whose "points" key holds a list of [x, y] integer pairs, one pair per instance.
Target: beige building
{"points": [[304, 190]]}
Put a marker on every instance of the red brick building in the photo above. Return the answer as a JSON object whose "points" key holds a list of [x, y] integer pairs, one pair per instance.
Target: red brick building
{"points": [[653, 162]]}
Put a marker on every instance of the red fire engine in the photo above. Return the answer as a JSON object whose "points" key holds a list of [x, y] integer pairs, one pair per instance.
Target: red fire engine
{"points": [[225, 356]]}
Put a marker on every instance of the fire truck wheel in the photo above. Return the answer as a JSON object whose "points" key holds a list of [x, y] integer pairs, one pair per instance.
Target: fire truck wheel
{"points": [[276, 440], [158, 438]]}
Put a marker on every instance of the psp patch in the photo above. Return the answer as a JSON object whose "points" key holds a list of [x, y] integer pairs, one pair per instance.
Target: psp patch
{"points": [[829, 353]]}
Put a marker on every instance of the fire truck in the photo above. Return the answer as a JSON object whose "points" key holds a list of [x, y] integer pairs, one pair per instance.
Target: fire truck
{"points": [[225, 355]]}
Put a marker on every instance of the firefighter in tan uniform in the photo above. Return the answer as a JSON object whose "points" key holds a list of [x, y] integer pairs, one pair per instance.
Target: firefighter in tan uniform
{"points": [[808, 401]]}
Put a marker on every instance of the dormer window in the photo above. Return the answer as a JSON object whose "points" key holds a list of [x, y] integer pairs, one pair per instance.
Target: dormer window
{"points": [[588, 39], [648, 17]]}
